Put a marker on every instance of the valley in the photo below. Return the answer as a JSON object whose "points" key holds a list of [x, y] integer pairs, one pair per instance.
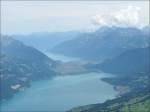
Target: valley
{"points": [[74, 56], [62, 93], [74, 80]]}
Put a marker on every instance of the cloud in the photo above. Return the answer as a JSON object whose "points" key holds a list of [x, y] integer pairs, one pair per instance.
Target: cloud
{"points": [[123, 18]]}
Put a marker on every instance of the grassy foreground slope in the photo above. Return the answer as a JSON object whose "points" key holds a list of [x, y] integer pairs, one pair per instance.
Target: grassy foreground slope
{"points": [[138, 102]]}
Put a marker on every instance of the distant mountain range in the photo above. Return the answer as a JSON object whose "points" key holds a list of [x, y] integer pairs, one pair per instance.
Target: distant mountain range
{"points": [[44, 41], [105, 43], [21, 64]]}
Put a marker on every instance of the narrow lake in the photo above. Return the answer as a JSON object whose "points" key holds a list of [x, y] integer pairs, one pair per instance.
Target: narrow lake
{"points": [[62, 93], [61, 57]]}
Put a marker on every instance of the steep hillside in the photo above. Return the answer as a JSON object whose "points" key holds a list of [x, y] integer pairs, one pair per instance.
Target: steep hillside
{"points": [[135, 61], [131, 69], [132, 102], [21, 64]]}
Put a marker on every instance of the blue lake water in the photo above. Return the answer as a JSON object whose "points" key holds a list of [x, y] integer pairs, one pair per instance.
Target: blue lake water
{"points": [[62, 93]]}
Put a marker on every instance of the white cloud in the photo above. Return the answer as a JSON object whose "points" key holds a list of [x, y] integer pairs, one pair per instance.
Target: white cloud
{"points": [[123, 18]]}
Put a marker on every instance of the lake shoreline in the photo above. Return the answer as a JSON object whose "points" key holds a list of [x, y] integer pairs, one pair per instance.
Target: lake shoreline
{"points": [[71, 83], [78, 79]]}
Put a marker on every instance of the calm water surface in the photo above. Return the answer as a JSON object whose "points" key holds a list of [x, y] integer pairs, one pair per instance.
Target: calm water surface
{"points": [[62, 93]]}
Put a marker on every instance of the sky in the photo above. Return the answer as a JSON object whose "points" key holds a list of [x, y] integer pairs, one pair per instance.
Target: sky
{"points": [[25, 17]]}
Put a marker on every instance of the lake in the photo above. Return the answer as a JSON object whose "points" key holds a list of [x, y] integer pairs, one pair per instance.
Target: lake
{"points": [[61, 57], [62, 93]]}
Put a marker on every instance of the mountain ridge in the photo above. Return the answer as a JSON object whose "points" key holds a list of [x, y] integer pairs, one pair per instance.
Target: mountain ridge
{"points": [[104, 43]]}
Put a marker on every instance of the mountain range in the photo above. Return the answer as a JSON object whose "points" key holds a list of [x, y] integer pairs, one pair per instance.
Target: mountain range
{"points": [[44, 41], [123, 52], [104, 43]]}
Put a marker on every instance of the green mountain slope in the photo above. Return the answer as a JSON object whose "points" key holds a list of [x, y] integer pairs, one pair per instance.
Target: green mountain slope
{"points": [[137, 102], [20, 65]]}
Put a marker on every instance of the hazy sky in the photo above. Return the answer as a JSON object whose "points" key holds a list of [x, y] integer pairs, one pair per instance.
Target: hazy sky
{"points": [[32, 16]]}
